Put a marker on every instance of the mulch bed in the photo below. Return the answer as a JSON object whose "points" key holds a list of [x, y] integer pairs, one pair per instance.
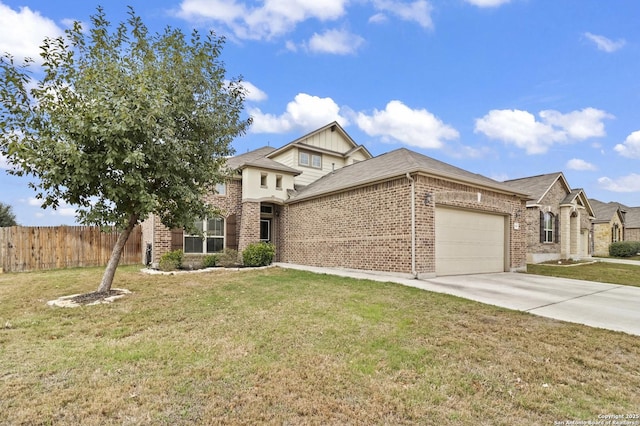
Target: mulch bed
{"points": [[84, 299]]}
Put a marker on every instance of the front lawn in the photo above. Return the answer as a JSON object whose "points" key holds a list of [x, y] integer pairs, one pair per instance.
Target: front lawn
{"points": [[289, 347], [614, 273]]}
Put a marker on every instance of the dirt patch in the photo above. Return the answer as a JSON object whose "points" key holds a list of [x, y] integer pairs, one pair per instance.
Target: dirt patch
{"points": [[87, 299]]}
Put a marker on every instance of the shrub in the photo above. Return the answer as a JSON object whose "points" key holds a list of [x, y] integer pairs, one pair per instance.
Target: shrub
{"points": [[624, 248], [258, 254], [171, 261], [227, 258], [209, 261]]}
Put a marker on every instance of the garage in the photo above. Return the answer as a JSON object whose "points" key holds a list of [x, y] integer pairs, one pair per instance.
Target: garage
{"points": [[469, 242]]}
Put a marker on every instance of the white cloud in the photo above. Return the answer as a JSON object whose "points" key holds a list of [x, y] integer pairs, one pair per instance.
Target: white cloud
{"points": [[271, 19], [488, 3], [418, 11], [629, 183], [578, 164], [378, 18], [414, 127], [605, 44], [522, 129], [3, 162], [22, 32], [630, 147], [63, 209], [305, 112], [337, 42], [253, 93]]}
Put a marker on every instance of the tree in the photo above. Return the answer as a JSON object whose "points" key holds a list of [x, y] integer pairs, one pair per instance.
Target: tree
{"points": [[123, 124], [7, 218]]}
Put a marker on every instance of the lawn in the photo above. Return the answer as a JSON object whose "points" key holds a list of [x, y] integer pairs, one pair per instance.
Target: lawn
{"points": [[614, 273], [289, 347]]}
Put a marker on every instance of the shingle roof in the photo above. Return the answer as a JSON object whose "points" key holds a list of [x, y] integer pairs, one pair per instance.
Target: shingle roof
{"points": [[393, 164], [632, 217], [604, 211], [537, 186], [257, 158]]}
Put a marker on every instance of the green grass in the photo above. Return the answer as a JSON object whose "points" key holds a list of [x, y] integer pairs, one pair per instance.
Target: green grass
{"points": [[614, 273], [289, 347]]}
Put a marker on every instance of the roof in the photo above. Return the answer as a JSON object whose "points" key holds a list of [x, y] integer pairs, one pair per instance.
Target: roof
{"points": [[258, 158], [632, 217], [538, 186], [605, 211], [393, 164], [334, 126]]}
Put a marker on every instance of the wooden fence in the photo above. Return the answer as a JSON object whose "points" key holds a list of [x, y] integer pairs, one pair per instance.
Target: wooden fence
{"points": [[38, 248]]}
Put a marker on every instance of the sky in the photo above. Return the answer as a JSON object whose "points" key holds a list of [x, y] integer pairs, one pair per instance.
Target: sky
{"points": [[503, 88]]}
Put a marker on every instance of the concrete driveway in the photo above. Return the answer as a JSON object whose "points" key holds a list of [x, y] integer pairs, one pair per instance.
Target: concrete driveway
{"points": [[609, 306]]}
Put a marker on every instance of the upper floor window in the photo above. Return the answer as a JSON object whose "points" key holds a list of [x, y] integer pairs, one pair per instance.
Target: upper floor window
{"points": [[309, 159], [278, 182], [263, 180], [221, 189]]}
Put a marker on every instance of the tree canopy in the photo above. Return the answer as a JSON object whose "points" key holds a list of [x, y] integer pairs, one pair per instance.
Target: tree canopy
{"points": [[7, 218], [123, 123]]}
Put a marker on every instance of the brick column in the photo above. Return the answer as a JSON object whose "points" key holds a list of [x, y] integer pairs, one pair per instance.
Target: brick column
{"points": [[249, 225]]}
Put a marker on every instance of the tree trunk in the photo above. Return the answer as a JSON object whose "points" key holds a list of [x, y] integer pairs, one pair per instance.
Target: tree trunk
{"points": [[110, 271]]}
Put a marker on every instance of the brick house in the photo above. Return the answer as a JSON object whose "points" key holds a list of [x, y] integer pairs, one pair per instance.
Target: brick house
{"points": [[607, 227], [558, 218], [323, 200], [632, 223]]}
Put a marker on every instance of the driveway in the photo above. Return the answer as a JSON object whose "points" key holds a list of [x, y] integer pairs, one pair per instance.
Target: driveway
{"points": [[609, 306]]}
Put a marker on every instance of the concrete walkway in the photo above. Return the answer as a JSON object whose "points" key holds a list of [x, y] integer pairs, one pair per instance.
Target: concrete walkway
{"points": [[609, 306]]}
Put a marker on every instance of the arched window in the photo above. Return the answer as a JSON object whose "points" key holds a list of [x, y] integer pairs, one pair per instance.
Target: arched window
{"points": [[548, 228]]}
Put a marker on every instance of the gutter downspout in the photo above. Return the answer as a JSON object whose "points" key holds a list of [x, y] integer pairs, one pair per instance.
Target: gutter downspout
{"points": [[413, 226]]}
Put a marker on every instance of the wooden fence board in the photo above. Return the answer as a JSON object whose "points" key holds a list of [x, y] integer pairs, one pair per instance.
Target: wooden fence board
{"points": [[38, 248]]}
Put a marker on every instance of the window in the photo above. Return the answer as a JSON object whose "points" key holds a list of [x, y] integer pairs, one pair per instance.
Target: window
{"points": [[263, 180], [548, 228], [211, 239], [265, 230], [278, 182], [310, 160], [615, 233], [221, 189]]}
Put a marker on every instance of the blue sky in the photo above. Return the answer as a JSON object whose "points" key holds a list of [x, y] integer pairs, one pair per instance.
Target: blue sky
{"points": [[504, 88]]}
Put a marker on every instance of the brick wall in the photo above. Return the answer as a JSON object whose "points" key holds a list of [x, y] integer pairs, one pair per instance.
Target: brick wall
{"points": [[632, 234], [370, 228], [160, 236]]}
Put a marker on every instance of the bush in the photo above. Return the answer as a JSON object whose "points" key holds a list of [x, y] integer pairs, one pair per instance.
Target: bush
{"points": [[228, 258], [624, 248], [171, 261], [258, 254], [209, 261]]}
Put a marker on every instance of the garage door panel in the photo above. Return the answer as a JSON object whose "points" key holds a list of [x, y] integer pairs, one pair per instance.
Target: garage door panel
{"points": [[469, 242]]}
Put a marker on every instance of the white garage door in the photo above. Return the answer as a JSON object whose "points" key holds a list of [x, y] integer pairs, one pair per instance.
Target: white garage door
{"points": [[469, 242]]}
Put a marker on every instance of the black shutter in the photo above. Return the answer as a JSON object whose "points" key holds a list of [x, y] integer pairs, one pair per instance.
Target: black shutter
{"points": [[541, 227], [556, 229]]}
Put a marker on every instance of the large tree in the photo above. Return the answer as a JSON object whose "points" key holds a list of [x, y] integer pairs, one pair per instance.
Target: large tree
{"points": [[7, 218], [122, 123]]}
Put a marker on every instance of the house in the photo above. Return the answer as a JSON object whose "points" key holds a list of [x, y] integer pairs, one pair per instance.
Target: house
{"points": [[323, 200], [558, 218], [632, 223], [608, 226]]}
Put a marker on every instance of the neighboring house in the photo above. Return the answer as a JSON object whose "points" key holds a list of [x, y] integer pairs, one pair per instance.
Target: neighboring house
{"points": [[323, 201], [631, 223], [558, 218], [607, 227]]}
